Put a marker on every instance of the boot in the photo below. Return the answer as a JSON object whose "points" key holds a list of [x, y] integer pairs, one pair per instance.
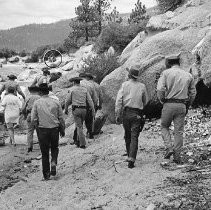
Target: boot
{"points": [[130, 164], [53, 169], [168, 154], [177, 158]]}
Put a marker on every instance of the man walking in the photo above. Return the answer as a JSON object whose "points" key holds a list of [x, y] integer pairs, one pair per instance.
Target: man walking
{"points": [[176, 90], [26, 111], [131, 98], [79, 97], [89, 120], [44, 78], [12, 83], [47, 113]]}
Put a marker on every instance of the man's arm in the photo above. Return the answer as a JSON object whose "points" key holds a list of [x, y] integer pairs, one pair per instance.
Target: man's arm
{"points": [[145, 97], [161, 88], [90, 103], [20, 91], [119, 103], [34, 82], [61, 122], [2, 89], [68, 102], [34, 114], [192, 91]]}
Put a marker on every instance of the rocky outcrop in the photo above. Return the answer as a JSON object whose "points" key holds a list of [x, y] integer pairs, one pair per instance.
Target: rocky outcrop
{"points": [[149, 55]]}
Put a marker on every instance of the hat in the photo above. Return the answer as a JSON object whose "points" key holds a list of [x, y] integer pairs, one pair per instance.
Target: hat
{"points": [[43, 87], [82, 75], [33, 88], [46, 71], [75, 79], [12, 76], [134, 73], [89, 75]]}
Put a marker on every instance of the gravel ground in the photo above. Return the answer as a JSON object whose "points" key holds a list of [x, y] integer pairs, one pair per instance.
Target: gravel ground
{"points": [[96, 178]]}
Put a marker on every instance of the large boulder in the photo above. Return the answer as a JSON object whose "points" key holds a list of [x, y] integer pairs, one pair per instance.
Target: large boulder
{"points": [[28, 74], [83, 53], [149, 56]]}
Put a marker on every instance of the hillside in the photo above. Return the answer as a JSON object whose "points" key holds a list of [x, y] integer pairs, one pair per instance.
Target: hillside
{"points": [[31, 36]]}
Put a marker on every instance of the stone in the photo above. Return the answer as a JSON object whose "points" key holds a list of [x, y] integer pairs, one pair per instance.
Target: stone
{"points": [[151, 207]]}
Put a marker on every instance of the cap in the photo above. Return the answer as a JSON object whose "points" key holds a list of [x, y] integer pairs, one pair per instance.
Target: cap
{"points": [[33, 88]]}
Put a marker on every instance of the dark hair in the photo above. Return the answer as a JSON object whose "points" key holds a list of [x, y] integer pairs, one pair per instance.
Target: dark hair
{"points": [[11, 89]]}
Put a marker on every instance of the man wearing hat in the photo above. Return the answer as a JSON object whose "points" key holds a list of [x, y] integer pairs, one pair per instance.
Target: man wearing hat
{"points": [[12, 83], [48, 116], [131, 99], [87, 83], [176, 90], [26, 110], [79, 98], [42, 78]]}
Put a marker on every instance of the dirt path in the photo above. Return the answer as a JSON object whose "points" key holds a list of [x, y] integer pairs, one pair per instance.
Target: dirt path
{"points": [[96, 178]]}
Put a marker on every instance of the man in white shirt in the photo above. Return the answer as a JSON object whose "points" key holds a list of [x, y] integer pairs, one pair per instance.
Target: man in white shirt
{"points": [[131, 98]]}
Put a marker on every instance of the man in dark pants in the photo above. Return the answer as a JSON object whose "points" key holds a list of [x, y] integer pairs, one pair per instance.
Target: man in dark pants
{"points": [[88, 84], [176, 90], [47, 113], [131, 98], [79, 98]]}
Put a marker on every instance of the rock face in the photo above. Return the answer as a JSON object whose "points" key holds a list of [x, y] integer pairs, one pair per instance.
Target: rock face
{"points": [[149, 54]]}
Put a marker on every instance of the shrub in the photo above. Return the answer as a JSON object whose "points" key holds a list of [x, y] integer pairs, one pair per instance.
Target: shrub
{"points": [[23, 53], [118, 36], [169, 5], [7, 53], [101, 65]]}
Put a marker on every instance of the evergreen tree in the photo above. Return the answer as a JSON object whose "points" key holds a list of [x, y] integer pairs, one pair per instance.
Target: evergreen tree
{"points": [[101, 6], [138, 14], [114, 16]]}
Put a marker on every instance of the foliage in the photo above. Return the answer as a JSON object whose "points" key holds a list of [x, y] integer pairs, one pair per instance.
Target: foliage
{"points": [[23, 53], [101, 65], [101, 6], [169, 5], [7, 53], [113, 16], [138, 14], [118, 36]]}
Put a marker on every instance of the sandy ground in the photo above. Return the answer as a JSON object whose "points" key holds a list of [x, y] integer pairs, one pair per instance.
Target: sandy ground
{"points": [[96, 178]]}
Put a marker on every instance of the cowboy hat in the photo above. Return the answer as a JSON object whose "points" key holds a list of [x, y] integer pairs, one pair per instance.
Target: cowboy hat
{"points": [[12, 76], [43, 87], [75, 79], [134, 73], [33, 88]]}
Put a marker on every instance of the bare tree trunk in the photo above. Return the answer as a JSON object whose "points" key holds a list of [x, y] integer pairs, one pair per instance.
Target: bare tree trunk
{"points": [[100, 16]]}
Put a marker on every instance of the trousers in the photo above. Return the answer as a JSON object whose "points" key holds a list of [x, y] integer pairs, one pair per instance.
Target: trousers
{"points": [[30, 132], [89, 121], [132, 127], [79, 118], [48, 138], [173, 112]]}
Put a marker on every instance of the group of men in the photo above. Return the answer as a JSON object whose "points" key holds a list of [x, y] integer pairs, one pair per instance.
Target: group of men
{"points": [[175, 90]]}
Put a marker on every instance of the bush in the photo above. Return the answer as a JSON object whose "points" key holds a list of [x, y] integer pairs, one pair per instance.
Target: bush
{"points": [[118, 36], [169, 5], [101, 65], [7, 53], [23, 53]]}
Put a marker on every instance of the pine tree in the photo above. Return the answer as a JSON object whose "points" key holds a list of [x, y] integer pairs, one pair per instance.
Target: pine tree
{"points": [[138, 14], [101, 6]]}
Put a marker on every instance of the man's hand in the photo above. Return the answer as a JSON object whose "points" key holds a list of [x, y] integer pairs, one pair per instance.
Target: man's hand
{"points": [[118, 120], [62, 133]]}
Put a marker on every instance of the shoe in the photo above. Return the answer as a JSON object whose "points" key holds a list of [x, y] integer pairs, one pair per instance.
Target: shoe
{"points": [[53, 169], [177, 159], [29, 149], [83, 147], [16, 126], [91, 136], [46, 177], [131, 164], [168, 154]]}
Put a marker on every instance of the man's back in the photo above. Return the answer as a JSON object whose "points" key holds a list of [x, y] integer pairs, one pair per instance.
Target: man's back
{"points": [[176, 83]]}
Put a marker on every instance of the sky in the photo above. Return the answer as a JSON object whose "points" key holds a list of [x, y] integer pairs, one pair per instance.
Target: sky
{"points": [[15, 13]]}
